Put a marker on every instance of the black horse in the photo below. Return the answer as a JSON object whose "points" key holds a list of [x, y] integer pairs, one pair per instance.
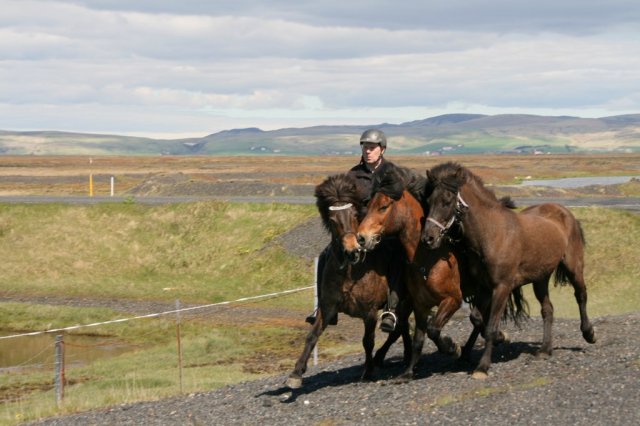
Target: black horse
{"points": [[352, 283]]}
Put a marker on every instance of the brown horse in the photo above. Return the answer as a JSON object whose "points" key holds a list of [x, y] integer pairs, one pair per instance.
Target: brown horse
{"points": [[509, 249], [432, 276], [352, 284]]}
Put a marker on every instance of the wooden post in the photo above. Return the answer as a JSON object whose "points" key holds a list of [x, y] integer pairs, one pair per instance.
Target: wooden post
{"points": [[90, 178], [179, 343], [315, 306], [59, 367]]}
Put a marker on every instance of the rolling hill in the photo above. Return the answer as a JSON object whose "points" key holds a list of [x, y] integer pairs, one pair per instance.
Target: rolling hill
{"points": [[450, 133]]}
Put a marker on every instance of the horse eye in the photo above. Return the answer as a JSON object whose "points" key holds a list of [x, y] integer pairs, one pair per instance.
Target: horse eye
{"points": [[385, 207]]}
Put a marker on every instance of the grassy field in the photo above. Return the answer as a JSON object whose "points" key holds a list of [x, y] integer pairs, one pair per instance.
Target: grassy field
{"points": [[209, 252]]}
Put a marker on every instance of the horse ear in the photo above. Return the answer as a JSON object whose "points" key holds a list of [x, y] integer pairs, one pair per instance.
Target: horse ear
{"points": [[460, 176]]}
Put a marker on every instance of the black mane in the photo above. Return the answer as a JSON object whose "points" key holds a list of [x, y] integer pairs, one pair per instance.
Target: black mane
{"points": [[453, 175], [336, 189], [396, 179]]}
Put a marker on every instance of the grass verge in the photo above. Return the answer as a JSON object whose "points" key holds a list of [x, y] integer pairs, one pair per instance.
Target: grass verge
{"points": [[204, 253]]}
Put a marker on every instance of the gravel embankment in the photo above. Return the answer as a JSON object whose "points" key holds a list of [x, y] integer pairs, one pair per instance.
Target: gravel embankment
{"points": [[580, 384]]}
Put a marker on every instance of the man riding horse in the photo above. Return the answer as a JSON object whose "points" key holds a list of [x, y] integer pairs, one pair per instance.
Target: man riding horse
{"points": [[373, 143]]}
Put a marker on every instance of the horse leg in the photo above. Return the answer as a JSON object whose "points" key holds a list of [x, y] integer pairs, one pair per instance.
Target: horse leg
{"points": [[402, 329], [476, 319], [576, 278], [541, 290], [498, 304], [294, 381], [418, 343], [368, 342], [445, 311]]}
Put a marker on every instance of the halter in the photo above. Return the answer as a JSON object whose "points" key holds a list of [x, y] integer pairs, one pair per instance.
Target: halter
{"points": [[461, 207]]}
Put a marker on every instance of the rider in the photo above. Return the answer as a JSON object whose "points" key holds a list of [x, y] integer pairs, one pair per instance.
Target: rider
{"points": [[373, 143]]}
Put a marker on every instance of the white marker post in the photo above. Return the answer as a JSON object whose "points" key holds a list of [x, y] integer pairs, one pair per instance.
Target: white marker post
{"points": [[315, 307]]}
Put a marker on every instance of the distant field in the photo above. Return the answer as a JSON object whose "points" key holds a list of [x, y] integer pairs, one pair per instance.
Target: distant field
{"points": [[69, 175]]}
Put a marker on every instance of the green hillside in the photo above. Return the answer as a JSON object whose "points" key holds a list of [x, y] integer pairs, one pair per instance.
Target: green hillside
{"points": [[451, 133]]}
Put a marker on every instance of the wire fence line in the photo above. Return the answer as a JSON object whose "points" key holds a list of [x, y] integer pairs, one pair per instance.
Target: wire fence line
{"points": [[158, 314]]}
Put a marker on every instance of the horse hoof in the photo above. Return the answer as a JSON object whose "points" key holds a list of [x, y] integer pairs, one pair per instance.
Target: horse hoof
{"points": [[505, 338], [457, 352], [479, 375], [543, 355], [404, 378], [294, 382], [589, 336]]}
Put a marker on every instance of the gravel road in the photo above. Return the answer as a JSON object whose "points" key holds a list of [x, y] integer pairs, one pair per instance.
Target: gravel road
{"points": [[580, 384]]}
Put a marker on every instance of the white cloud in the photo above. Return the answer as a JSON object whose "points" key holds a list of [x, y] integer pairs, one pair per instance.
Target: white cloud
{"points": [[189, 67]]}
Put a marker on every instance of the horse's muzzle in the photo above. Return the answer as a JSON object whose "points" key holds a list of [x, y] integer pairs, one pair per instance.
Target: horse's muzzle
{"points": [[369, 242], [356, 256], [432, 237]]}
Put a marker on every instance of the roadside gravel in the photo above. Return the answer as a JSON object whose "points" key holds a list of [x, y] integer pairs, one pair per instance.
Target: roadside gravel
{"points": [[580, 384]]}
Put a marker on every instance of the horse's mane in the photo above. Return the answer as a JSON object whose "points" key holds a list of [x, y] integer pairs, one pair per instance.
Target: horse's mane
{"points": [[335, 189], [453, 175], [396, 179]]}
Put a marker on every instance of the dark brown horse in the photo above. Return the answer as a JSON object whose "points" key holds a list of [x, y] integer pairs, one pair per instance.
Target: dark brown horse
{"points": [[507, 248], [350, 284], [432, 276]]}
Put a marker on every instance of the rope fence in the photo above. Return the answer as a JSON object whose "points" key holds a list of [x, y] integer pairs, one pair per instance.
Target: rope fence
{"points": [[62, 359], [17, 390], [158, 314]]}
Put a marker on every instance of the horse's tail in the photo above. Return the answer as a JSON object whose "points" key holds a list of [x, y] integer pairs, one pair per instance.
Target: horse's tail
{"points": [[581, 233], [517, 307], [563, 273]]}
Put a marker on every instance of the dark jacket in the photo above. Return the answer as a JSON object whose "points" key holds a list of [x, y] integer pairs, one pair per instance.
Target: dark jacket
{"points": [[364, 177]]}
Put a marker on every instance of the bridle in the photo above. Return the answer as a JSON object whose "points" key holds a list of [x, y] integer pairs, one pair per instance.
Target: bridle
{"points": [[461, 208], [343, 263]]}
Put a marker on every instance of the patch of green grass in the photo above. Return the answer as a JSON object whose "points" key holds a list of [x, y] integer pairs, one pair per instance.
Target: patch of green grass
{"points": [[483, 391], [201, 251]]}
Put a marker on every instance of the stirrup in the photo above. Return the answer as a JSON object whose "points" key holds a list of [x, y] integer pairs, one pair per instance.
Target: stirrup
{"points": [[388, 321]]}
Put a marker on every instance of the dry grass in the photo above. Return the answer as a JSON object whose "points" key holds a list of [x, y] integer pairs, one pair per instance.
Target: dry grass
{"points": [[70, 175]]}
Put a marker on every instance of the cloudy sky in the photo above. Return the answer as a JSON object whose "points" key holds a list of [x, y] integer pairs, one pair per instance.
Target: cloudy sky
{"points": [[166, 68]]}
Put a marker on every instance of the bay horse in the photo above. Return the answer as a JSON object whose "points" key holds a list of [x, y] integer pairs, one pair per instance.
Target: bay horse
{"points": [[351, 283], [509, 248], [432, 276]]}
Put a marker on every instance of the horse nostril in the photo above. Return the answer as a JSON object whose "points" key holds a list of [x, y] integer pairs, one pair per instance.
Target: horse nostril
{"points": [[360, 240]]}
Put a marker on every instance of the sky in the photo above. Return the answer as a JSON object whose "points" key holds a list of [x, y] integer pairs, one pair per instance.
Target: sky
{"points": [[170, 69]]}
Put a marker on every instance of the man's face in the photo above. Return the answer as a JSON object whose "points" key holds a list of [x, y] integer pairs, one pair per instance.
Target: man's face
{"points": [[371, 152]]}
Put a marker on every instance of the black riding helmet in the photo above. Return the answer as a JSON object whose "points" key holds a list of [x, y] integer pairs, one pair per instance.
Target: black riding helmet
{"points": [[374, 136]]}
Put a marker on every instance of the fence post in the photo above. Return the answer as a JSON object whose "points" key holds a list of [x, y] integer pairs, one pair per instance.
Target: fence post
{"points": [[315, 306], [59, 367], [179, 343]]}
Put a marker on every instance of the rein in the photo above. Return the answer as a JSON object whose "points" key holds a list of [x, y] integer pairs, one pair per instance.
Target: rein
{"points": [[461, 207]]}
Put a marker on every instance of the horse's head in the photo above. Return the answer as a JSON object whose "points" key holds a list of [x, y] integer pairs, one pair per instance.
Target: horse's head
{"points": [[445, 204], [387, 190], [340, 209]]}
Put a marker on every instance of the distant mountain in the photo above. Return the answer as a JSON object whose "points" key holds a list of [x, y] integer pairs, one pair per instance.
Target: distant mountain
{"points": [[444, 134]]}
